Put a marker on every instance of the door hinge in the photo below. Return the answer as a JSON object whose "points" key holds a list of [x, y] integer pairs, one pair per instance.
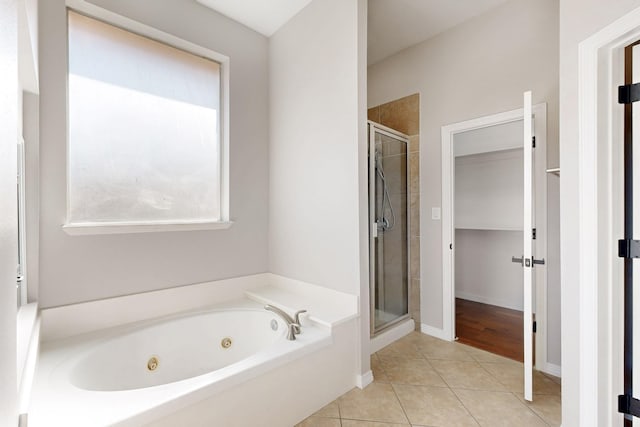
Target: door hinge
{"points": [[533, 234], [628, 405], [533, 141], [628, 248], [628, 94], [535, 326]]}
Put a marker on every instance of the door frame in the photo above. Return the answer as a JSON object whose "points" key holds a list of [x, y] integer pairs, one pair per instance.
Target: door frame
{"points": [[596, 354], [373, 128], [448, 221]]}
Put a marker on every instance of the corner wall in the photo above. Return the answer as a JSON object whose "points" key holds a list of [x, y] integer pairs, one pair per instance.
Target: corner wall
{"points": [[478, 68], [313, 147], [83, 268], [317, 151], [579, 19], [9, 127]]}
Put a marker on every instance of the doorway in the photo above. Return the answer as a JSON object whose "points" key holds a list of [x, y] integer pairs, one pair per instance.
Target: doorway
{"points": [[487, 222], [488, 194]]}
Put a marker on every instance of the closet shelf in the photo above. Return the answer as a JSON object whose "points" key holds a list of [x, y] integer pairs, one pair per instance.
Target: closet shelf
{"points": [[488, 227]]}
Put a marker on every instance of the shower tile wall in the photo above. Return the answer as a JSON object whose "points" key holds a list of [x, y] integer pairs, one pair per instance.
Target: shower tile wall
{"points": [[403, 115]]}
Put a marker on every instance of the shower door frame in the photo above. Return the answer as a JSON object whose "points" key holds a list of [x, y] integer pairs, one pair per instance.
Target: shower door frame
{"points": [[392, 133]]}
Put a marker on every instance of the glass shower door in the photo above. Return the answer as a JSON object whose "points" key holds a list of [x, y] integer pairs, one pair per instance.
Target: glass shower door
{"points": [[389, 221]]}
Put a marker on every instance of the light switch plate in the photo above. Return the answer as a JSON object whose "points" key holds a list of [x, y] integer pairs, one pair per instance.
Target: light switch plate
{"points": [[435, 213]]}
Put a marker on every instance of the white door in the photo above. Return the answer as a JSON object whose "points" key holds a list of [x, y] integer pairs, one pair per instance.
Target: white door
{"points": [[528, 259], [635, 125]]}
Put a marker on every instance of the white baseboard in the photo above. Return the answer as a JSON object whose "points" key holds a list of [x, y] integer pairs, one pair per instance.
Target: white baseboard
{"points": [[551, 369], [364, 380], [488, 300], [392, 334], [434, 332]]}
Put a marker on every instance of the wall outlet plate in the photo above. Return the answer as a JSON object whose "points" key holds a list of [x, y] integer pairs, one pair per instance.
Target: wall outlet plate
{"points": [[435, 213]]}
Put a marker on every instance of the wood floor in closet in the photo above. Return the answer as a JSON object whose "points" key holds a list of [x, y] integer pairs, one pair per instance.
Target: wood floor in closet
{"points": [[494, 329]]}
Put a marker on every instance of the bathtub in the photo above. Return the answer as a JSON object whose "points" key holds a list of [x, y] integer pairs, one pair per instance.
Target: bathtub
{"points": [[138, 373]]}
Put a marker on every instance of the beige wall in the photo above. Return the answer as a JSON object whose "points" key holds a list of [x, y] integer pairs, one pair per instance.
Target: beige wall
{"points": [[403, 115], [479, 68], [579, 19]]}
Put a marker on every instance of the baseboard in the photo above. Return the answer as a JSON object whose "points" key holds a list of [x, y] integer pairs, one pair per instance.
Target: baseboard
{"points": [[364, 380], [434, 332], [392, 334], [486, 300], [552, 369]]}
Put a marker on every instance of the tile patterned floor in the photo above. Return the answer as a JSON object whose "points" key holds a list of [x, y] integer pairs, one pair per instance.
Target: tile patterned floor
{"points": [[421, 381]]}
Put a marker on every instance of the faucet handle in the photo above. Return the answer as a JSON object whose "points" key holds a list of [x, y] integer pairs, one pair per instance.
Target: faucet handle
{"points": [[296, 316], [296, 319]]}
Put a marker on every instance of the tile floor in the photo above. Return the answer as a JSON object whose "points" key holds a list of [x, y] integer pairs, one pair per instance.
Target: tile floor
{"points": [[422, 381]]}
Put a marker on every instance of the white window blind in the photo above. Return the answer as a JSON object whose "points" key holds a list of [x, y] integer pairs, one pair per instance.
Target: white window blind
{"points": [[144, 129]]}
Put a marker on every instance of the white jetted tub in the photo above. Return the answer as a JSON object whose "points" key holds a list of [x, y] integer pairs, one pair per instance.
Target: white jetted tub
{"points": [[134, 374]]}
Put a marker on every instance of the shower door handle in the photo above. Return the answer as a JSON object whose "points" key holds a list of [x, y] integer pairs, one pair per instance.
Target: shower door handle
{"points": [[518, 260]]}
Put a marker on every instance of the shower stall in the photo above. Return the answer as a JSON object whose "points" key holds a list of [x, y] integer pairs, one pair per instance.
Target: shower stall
{"points": [[389, 226]]}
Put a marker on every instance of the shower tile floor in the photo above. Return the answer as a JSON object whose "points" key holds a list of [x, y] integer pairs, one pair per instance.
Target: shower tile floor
{"points": [[421, 381]]}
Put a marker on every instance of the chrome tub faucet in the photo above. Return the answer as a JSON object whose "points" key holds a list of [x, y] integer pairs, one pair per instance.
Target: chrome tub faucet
{"points": [[293, 323]]}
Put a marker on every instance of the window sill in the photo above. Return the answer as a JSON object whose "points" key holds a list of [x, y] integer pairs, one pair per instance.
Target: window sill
{"points": [[89, 228]]}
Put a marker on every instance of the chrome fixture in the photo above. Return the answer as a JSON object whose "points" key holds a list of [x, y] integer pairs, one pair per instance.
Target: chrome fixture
{"points": [[293, 323], [296, 320], [383, 223], [555, 171]]}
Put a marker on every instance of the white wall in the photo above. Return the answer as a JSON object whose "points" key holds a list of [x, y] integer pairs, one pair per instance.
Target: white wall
{"points": [[579, 19], [489, 190], [313, 148], [82, 268], [488, 201], [30, 105], [479, 68], [317, 149], [9, 127], [484, 271]]}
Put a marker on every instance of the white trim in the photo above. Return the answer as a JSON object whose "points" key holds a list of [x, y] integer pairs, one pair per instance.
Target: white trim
{"points": [[487, 300], [448, 232], [489, 227], [22, 221], [551, 369], [28, 334], [527, 251], [597, 65], [391, 335], [89, 228], [588, 253], [136, 27], [448, 223], [435, 332], [364, 380], [540, 179]]}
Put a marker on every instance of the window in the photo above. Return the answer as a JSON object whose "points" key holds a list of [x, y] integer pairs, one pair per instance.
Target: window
{"points": [[144, 135]]}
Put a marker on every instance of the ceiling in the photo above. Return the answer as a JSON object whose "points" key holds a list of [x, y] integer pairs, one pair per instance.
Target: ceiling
{"points": [[263, 16], [394, 25]]}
